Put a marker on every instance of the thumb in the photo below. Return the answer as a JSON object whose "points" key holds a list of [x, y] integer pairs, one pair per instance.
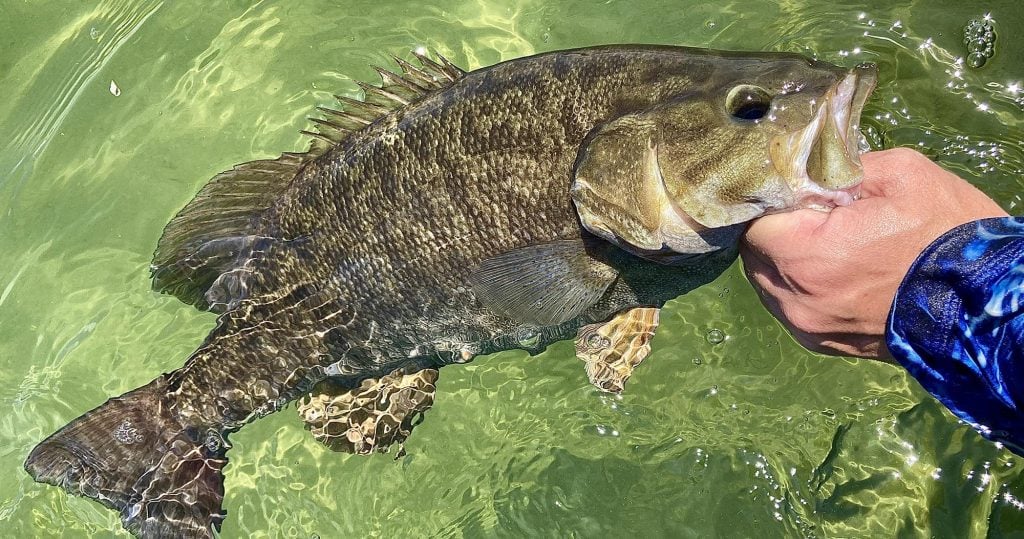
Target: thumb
{"points": [[780, 233], [887, 172]]}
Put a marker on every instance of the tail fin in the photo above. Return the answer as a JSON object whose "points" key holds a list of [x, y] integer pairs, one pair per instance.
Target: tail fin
{"points": [[132, 455]]}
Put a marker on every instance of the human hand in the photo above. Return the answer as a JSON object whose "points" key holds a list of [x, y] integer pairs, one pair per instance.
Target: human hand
{"points": [[830, 277]]}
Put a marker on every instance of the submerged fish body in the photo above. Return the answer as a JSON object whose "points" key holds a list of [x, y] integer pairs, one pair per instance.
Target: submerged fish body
{"points": [[453, 214]]}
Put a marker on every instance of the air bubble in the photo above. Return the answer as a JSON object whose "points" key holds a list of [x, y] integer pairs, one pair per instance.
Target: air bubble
{"points": [[528, 337], [596, 340], [213, 441], [979, 38], [715, 336]]}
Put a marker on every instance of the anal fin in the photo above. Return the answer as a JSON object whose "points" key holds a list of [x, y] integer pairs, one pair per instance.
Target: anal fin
{"points": [[372, 417]]}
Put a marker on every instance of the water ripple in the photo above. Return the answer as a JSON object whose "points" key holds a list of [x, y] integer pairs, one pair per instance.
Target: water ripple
{"points": [[79, 53], [742, 431]]}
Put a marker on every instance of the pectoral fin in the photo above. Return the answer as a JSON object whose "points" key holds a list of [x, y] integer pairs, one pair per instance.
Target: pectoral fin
{"points": [[614, 348], [545, 284]]}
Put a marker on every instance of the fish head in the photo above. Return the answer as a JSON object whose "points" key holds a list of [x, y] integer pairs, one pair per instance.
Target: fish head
{"points": [[764, 135]]}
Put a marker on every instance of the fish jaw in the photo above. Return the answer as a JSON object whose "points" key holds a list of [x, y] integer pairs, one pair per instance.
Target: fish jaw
{"points": [[821, 162]]}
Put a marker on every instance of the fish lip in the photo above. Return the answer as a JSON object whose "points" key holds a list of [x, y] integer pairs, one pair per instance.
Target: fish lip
{"points": [[861, 81], [840, 109]]}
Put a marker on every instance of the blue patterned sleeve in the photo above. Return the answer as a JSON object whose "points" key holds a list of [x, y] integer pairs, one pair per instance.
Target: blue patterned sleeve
{"points": [[957, 325]]}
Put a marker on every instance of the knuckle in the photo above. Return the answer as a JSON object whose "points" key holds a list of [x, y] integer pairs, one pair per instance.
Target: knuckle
{"points": [[799, 320]]}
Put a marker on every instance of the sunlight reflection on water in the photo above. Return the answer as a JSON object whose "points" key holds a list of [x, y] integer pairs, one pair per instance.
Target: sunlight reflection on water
{"points": [[718, 433]]}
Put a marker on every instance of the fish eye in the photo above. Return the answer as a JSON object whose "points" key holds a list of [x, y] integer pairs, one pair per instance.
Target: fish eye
{"points": [[748, 102]]}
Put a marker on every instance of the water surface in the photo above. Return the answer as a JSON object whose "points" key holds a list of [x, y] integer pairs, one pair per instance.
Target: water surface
{"points": [[115, 113]]}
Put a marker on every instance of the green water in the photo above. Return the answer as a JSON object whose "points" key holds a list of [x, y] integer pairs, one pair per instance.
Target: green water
{"points": [[751, 437]]}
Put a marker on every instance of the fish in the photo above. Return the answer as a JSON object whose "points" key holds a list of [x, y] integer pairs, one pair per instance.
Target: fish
{"points": [[450, 214]]}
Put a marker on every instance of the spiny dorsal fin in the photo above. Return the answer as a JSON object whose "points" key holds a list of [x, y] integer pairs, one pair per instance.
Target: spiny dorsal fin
{"points": [[417, 75], [362, 108], [396, 90], [390, 79], [213, 235], [345, 119], [442, 70]]}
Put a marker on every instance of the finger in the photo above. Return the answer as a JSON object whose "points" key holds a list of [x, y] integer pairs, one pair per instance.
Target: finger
{"points": [[847, 344], [765, 280]]}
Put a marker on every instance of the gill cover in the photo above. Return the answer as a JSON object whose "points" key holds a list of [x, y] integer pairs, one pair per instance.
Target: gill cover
{"points": [[649, 186]]}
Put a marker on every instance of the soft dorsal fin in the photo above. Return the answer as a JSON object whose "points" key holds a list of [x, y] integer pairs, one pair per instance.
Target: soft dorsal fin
{"points": [[213, 235]]}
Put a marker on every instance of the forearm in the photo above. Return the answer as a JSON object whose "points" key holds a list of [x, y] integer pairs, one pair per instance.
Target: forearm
{"points": [[957, 325]]}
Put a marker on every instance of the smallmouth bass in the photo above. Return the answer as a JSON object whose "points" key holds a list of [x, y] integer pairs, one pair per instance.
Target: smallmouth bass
{"points": [[453, 214]]}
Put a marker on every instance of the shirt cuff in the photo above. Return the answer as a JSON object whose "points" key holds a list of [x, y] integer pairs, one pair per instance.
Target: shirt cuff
{"points": [[957, 325]]}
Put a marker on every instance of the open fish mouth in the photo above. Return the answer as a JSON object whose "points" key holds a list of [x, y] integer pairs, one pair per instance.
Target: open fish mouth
{"points": [[821, 162]]}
